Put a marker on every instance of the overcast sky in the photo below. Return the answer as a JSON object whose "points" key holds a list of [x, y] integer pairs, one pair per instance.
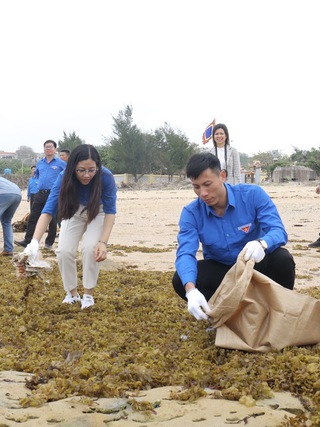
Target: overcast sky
{"points": [[70, 65]]}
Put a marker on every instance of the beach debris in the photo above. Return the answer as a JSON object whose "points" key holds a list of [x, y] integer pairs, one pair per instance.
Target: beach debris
{"points": [[27, 265]]}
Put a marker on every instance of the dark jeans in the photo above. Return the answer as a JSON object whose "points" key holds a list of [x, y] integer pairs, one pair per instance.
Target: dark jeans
{"points": [[32, 200], [279, 266], [37, 206]]}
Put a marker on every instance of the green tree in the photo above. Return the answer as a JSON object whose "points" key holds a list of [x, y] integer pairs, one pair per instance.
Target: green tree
{"points": [[244, 160], [129, 149], [174, 149], [310, 159], [13, 164], [70, 141], [313, 161], [104, 153], [164, 151], [25, 152], [270, 160]]}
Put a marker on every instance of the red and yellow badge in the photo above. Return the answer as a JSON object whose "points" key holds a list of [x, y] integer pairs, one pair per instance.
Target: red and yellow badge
{"points": [[245, 228]]}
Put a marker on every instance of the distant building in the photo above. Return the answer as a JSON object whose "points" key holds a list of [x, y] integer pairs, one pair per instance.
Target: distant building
{"points": [[293, 173], [7, 155]]}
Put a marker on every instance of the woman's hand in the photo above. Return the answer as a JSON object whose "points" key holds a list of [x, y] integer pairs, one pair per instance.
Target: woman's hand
{"points": [[100, 252]]}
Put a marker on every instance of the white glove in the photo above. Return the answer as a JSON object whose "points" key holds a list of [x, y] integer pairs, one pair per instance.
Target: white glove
{"points": [[255, 251], [32, 249], [197, 302]]}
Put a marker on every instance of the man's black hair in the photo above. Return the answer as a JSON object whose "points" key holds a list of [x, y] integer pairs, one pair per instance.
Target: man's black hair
{"points": [[50, 141], [200, 162]]}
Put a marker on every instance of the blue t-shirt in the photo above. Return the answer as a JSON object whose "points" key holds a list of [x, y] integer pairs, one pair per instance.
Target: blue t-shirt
{"points": [[47, 172], [250, 215], [32, 186], [108, 193]]}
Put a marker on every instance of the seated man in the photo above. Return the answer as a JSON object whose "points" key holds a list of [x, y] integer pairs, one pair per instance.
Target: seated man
{"points": [[226, 218]]}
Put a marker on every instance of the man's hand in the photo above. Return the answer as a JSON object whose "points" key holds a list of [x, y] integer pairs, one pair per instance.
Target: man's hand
{"points": [[32, 249], [197, 302], [255, 251]]}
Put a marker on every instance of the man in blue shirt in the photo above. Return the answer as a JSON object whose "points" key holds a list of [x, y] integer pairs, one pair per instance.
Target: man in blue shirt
{"points": [[32, 187], [225, 219], [47, 171]]}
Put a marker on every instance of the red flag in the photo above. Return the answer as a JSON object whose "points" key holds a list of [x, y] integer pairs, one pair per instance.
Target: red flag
{"points": [[207, 134]]}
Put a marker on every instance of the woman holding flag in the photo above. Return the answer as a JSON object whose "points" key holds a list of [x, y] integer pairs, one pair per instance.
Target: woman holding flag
{"points": [[228, 156]]}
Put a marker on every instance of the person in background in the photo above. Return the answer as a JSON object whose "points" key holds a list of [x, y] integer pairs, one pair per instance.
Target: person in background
{"points": [[64, 154], [84, 196], [10, 198], [226, 219], [32, 187], [228, 156], [316, 244], [47, 171]]}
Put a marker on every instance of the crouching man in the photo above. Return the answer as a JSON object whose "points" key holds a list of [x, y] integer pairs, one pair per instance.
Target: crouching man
{"points": [[225, 219]]}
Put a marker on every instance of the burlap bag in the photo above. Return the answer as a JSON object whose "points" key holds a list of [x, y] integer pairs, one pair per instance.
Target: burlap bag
{"points": [[253, 313]]}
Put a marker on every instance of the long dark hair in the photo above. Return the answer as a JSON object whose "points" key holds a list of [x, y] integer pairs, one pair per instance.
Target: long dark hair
{"points": [[69, 197], [225, 129]]}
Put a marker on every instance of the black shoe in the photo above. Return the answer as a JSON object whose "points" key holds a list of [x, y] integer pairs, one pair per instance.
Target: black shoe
{"points": [[315, 244], [22, 243]]}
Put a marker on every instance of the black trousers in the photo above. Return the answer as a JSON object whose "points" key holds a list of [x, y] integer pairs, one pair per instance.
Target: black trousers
{"points": [[37, 206], [32, 200], [279, 266]]}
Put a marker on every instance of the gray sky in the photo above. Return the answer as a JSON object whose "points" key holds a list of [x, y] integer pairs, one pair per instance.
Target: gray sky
{"points": [[70, 65]]}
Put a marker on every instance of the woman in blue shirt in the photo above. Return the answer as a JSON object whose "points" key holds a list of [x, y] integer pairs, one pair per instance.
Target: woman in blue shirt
{"points": [[84, 197]]}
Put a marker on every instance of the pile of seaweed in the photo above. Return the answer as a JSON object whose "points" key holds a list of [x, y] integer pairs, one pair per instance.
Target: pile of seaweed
{"points": [[138, 335]]}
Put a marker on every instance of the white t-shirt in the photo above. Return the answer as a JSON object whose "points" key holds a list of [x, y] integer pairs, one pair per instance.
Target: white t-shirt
{"points": [[221, 157]]}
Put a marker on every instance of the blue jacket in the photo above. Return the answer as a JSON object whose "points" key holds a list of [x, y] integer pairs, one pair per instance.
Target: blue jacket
{"points": [[250, 215]]}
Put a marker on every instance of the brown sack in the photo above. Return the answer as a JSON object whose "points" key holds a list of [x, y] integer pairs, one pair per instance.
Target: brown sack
{"points": [[253, 313]]}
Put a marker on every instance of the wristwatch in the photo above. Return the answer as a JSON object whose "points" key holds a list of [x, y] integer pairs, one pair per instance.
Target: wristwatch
{"points": [[263, 243]]}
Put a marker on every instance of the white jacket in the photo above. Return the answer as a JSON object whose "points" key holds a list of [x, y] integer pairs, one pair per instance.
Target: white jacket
{"points": [[233, 165]]}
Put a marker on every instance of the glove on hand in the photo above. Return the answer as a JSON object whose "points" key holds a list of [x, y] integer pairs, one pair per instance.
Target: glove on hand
{"points": [[32, 249], [197, 302], [255, 251]]}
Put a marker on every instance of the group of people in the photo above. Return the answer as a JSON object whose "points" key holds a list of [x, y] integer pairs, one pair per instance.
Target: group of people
{"points": [[225, 218]]}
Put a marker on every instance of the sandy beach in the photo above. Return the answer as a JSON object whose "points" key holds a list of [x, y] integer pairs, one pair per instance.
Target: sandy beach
{"points": [[149, 218]]}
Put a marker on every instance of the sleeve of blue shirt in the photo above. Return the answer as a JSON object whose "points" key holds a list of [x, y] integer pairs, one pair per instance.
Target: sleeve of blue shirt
{"points": [[51, 206], [109, 192], [188, 245]]}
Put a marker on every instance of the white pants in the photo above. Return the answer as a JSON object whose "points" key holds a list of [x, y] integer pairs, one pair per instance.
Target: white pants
{"points": [[71, 232]]}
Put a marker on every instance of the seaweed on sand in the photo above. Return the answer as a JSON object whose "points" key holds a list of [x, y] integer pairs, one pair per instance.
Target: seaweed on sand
{"points": [[139, 335]]}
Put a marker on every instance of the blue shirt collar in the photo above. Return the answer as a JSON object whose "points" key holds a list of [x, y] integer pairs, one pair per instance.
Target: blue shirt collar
{"points": [[230, 198]]}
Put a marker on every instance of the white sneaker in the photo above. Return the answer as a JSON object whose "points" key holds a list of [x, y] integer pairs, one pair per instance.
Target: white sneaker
{"points": [[69, 299], [87, 301]]}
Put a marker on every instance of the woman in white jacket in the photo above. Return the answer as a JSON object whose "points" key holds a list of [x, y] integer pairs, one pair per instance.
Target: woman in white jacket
{"points": [[228, 156]]}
